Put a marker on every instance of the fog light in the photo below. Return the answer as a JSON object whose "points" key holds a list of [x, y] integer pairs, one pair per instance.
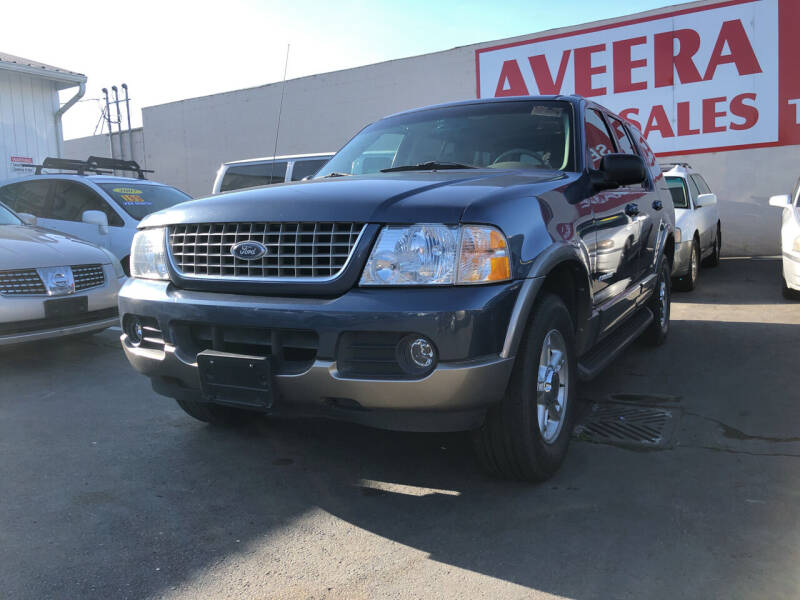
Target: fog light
{"points": [[416, 354], [134, 330]]}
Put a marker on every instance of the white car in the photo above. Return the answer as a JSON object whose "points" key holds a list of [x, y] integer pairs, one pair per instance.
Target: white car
{"points": [[101, 209], [790, 240], [698, 230], [52, 285], [240, 174]]}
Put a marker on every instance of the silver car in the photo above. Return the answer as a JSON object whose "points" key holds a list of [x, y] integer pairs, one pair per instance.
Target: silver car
{"points": [[698, 231], [52, 284]]}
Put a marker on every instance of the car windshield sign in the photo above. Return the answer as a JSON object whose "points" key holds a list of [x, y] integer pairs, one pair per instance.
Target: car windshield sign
{"points": [[139, 200], [524, 134]]}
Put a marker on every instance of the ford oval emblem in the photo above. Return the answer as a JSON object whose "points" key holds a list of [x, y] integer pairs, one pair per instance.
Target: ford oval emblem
{"points": [[248, 250]]}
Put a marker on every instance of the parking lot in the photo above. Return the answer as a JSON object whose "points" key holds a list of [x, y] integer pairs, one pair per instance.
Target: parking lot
{"points": [[109, 491]]}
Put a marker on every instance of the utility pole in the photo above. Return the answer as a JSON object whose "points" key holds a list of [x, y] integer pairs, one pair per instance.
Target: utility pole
{"points": [[128, 110], [108, 121], [119, 120]]}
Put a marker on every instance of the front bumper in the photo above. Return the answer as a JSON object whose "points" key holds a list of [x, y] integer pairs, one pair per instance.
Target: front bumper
{"points": [[791, 269], [22, 318], [683, 257], [468, 326]]}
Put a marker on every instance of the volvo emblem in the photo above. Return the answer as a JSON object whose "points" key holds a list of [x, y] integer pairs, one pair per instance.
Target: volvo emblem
{"points": [[248, 250]]}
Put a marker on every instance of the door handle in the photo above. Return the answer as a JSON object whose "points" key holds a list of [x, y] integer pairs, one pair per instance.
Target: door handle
{"points": [[632, 209], [658, 205]]}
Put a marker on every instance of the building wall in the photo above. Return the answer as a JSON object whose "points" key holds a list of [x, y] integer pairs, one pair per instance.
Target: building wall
{"points": [[99, 145], [186, 141], [27, 120]]}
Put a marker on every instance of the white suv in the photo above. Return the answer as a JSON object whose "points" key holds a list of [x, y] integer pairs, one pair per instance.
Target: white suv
{"points": [[698, 231], [790, 240], [101, 209], [240, 174]]}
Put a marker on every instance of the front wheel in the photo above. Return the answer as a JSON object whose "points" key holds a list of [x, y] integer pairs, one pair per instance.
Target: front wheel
{"points": [[688, 282], [525, 436], [660, 304]]}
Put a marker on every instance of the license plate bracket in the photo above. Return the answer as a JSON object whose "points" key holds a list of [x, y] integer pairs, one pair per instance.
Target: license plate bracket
{"points": [[61, 308], [236, 379]]}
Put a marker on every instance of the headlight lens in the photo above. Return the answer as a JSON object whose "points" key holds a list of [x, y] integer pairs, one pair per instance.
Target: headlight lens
{"points": [[796, 245], [118, 271], [436, 254], [149, 254]]}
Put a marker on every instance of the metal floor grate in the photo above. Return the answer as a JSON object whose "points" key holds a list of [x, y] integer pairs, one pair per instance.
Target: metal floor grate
{"points": [[624, 424]]}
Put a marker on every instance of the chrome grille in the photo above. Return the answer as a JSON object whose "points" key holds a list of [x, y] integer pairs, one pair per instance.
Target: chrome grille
{"points": [[22, 282], [88, 276], [295, 251]]}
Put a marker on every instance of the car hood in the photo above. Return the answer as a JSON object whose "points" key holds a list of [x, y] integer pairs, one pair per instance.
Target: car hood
{"points": [[25, 247], [401, 197]]}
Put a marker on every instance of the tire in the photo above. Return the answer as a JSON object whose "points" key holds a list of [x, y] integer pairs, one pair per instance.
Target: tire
{"points": [[516, 441], [126, 266], [788, 292], [686, 283], [214, 414], [659, 304], [713, 260]]}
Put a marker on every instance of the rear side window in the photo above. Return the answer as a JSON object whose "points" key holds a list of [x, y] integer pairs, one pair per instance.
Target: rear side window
{"points": [[304, 168], [238, 177], [677, 187], [598, 138], [28, 197], [71, 199], [621, 136]]}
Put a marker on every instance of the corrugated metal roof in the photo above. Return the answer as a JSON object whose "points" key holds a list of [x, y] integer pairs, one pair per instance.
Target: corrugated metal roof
{"points": [[32, 67]]}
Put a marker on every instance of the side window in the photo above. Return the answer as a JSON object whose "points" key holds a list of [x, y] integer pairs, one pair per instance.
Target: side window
{"points": [[621, 136], [701, 184], [646, 153], [28, 197], [245, 176], [796, 193], [71, 199], [304, 168], [598, 139], [694, 191]]}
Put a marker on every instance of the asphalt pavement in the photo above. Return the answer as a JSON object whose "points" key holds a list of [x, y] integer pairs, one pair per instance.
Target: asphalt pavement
{"points": [[109, 491]]}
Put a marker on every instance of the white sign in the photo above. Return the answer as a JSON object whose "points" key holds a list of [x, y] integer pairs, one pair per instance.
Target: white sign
{"points": [[695, 79], [20, 165]]}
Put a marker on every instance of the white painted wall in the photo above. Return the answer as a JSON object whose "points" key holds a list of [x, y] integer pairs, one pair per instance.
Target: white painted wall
{"points": [[27, 119]]}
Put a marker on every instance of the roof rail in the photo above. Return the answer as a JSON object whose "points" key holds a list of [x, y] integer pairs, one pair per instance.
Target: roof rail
{"points": [[94, 164], [668, 165]]}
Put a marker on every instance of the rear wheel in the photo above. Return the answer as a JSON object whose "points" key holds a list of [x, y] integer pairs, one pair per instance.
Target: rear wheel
{"points": [[713, 260], [687, 283], [526, 436], [215, 414]]}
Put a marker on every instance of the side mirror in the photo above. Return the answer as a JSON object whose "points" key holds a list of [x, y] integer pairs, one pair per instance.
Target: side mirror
{"points": [[623, 169], [27, 218], [780, 201], [705, 200], [96, 217]]}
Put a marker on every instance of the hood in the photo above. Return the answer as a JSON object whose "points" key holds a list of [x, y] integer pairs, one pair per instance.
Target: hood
{"points": [[25, 247], [402, 197]]}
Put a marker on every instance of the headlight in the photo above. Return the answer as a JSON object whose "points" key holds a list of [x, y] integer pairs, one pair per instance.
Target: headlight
{"points": [[118, 271], [796, 245], [435, 254], [149, 254]]}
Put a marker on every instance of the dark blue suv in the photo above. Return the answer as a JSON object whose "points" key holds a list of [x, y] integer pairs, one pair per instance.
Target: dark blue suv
{"points": [[456, 267]]}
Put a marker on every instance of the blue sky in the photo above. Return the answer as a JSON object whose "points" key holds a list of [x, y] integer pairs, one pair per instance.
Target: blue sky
{"points": [[171, 50]]}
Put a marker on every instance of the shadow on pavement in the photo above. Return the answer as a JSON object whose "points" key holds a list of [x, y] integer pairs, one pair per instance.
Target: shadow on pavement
{"points": [[110, 491]]}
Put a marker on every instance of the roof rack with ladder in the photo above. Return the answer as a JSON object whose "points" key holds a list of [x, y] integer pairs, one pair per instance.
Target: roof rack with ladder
{"points": [[94, 164]]}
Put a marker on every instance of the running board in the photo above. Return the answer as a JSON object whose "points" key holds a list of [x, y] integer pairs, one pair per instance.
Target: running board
{"points": [[598, 358]]}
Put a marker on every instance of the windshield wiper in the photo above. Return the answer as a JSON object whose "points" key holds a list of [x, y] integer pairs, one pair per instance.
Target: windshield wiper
{"points": [[335, 174], [429, 166]]}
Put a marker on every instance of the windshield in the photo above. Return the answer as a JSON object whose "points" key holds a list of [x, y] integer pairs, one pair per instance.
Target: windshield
{"points": [[7, 217], [139, 200], [501, 135], [677, 188]]}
